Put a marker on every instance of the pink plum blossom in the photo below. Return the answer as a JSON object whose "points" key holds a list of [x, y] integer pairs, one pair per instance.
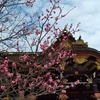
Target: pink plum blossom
{"points": [[3, 87]]}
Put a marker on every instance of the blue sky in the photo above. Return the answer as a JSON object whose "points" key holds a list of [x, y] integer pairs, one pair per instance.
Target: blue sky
{"points": [[87, 12]]}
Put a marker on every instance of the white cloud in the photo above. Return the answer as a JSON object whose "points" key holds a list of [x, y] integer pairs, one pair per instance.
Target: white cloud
{"points": [[87, 12]]}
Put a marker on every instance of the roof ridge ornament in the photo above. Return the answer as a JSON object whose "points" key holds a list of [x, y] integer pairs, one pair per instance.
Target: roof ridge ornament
{"points": [[79, 37], [80, 41], [64, 30]]}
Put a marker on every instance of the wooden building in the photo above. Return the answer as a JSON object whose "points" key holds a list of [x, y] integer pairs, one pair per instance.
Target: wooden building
{"points": [[85, 66]]}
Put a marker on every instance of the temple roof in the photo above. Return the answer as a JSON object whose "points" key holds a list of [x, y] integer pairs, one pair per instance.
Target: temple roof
{"points": [[79, 41]]}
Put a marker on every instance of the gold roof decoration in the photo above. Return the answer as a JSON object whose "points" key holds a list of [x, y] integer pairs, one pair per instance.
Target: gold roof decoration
{"points": [[80, 59], [65, 31], [79, 41], [98, 65], [6, 98]]}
